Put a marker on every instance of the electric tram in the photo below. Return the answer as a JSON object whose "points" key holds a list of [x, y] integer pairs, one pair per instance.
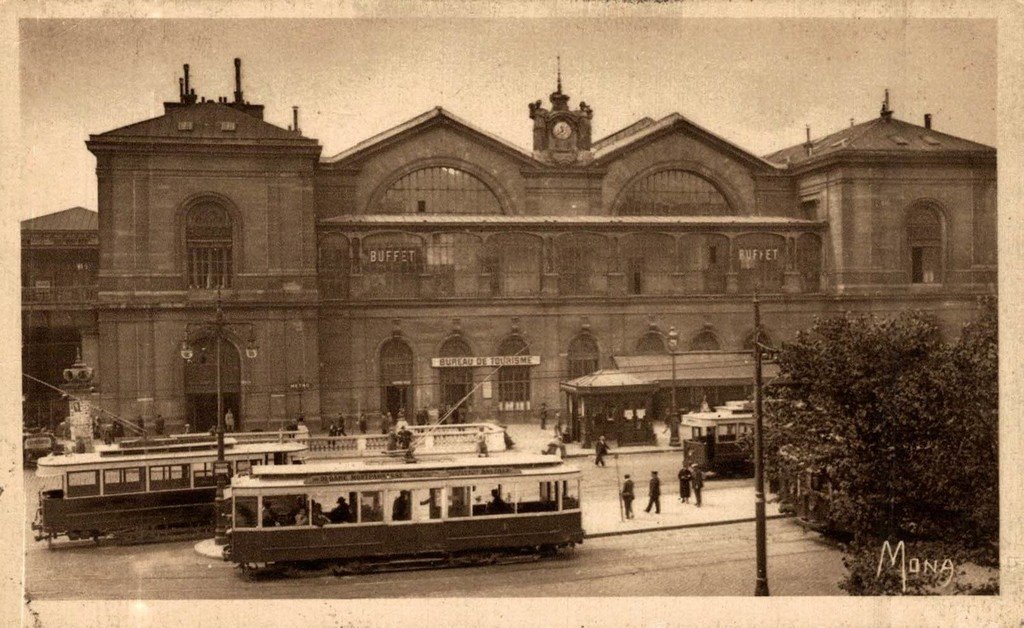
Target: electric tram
{"points": [[374, 514], [144, 490], [715, 435]]}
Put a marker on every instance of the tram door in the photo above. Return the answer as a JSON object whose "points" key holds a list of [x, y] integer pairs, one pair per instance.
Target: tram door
{"points": [[709, 453]]}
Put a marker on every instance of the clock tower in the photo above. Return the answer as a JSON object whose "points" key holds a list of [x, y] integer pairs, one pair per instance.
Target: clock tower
{"points": [[561, 136]]}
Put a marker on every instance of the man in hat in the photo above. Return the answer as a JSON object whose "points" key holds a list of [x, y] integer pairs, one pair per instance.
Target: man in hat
{"points": [[627, 496], [654, 491], [697, 480], [601, 450]]}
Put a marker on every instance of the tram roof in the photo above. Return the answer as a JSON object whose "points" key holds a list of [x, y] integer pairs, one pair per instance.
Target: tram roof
{"points": [[376, 469], [106, 456]]}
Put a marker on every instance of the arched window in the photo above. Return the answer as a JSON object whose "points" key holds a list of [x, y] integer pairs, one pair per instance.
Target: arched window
{"points": [[760, 260], [513, 381], [439, 190], [208, 240], [583, 356], [456, 382], [652, 343], [924, 239], [705, 341], [396, 371], [673, 193]]}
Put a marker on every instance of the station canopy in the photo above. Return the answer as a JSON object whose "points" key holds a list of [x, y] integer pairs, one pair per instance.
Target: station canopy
{"points": [[695, 368], [608, 380]]}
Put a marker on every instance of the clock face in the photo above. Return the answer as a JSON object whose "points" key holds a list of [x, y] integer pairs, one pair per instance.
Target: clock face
{"points": [[562, 130]]}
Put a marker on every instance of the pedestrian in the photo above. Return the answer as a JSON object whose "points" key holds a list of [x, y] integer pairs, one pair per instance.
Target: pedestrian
{"points": [[160, 425], [362, 423], [188, 428], [229, 421], [684, 484], [339, 427], [543, 416], [481, 444], [385, 423], [654, 492], [697, 481], [601, 449], [627, 496], [300, 427]]}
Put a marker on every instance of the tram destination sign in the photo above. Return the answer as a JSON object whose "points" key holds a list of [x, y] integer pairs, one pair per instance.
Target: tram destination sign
{"points": [[492, 360], [363, 476]]}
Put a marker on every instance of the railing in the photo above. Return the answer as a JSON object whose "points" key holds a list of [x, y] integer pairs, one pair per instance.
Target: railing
{"points": [[448, 439]]}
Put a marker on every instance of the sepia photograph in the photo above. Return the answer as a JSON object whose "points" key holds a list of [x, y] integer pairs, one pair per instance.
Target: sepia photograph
{"points": [[372, 308]]}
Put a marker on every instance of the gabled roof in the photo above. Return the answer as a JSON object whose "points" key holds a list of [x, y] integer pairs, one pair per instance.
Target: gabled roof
{"points": [[433, 116], [608, 378], [674, 121], [71, 219], [205, 118], [880, 135], [622, 133]]}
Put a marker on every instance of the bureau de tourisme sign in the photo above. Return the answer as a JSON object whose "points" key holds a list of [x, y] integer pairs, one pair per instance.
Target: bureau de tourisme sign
{"points": [[490, 360]]}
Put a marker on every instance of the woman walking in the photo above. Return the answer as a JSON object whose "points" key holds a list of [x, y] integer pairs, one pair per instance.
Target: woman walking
{"points": [[684, 484]]}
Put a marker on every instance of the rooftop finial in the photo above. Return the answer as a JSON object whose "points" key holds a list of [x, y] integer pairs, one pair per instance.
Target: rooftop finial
{"points": [[886, 111], [558, 60]]}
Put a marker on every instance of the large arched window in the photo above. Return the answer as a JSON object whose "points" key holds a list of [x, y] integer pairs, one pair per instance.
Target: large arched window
{"points": [[673, 192], [652, 343], [439, 190], [396, 371], [583, 356], [705, 341], [208, 243], [454, 261], [924, 240], [514, 381]]}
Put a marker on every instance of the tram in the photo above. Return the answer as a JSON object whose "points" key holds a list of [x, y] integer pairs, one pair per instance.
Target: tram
{"points": [[368, 515], [144, 490], [713, 442]]}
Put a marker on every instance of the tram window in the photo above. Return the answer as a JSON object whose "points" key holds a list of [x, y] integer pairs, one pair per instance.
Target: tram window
{"points": [[285, 510], [536, 497], [458, 501], [245, 512], [131, 480], [243, 466], [83, 483], [729, 433], [168, 477], [697, 433], [426, 504], [491, 499], [370, 507], [570, 494], [401, 505], [202, 474]]}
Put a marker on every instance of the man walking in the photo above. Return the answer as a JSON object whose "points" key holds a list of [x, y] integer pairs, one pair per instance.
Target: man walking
{"points": [[685, 477], [697, 481], [654, 491], [627, 496], [543, 416], [601, 449]]}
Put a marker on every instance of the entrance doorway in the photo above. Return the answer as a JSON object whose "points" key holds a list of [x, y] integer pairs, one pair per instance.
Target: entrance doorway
{"points": [[201, 384], [456, 383], [396, 399], [396, 378]]}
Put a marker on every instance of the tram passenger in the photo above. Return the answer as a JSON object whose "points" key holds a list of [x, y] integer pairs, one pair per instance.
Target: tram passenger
{"points": [[340, 513], [318, 518], [302, 517], [497, 505], [267, 516], [401, 510]]}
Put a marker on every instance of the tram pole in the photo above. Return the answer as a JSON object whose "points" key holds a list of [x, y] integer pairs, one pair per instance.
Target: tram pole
{"points": [[761, 588], [220, 531]]}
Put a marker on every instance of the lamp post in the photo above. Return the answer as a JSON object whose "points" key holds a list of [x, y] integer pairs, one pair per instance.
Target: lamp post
{"points": [[216, 329], [300, 387], [673, 348], [761, 588]]}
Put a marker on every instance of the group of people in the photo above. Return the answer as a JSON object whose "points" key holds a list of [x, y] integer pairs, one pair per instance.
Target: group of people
{"points": [[691, 478]]}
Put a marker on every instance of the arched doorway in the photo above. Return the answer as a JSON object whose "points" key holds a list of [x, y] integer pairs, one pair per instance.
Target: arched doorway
{"points": [[456, 382], [201, 384], [396, 378]]}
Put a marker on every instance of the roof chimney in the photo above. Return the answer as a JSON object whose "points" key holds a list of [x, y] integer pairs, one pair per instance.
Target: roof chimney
{"points": [[808, 145], [238, 80], [851, 121], [928, 121], [886, 111], [295, 118], [188, 93]]}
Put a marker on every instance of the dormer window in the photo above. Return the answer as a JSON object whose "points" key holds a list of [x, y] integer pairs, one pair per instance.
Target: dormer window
{"points": [[208, 244]]}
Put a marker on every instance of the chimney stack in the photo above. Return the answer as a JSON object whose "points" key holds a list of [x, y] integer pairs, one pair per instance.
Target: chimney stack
{"points": [[928, 121], [295, 118], [808, 145], [238, 80]]}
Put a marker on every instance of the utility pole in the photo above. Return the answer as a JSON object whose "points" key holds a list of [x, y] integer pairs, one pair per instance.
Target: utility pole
{"points": [[761, 588]]}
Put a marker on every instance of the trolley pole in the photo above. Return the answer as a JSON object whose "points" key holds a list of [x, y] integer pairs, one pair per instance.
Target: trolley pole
{"points": [[761, 588], [220, 536]]}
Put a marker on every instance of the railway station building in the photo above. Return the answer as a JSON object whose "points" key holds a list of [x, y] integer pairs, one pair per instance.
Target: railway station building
{"points": [[435, 261]]}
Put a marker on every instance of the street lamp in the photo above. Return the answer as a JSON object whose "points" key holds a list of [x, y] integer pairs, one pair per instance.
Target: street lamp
{"points": [[673, 424], [216, 330], [761, 587], [300, 387]]}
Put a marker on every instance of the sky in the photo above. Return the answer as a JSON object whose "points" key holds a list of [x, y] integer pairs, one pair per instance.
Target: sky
{"points": [[754, 82]]}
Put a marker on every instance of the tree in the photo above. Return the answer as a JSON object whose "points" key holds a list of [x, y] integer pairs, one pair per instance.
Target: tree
{"points": [[900, 425]]}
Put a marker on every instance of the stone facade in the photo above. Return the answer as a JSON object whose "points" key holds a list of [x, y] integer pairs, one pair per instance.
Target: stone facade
{"points": [[353, 273]]}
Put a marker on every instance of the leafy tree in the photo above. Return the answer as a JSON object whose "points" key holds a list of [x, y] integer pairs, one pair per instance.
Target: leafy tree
{"points": [[900, 426]]}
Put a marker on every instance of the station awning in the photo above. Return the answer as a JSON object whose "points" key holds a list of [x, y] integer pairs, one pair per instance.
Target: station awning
{"points": [[696, 368], [609, 380]]}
